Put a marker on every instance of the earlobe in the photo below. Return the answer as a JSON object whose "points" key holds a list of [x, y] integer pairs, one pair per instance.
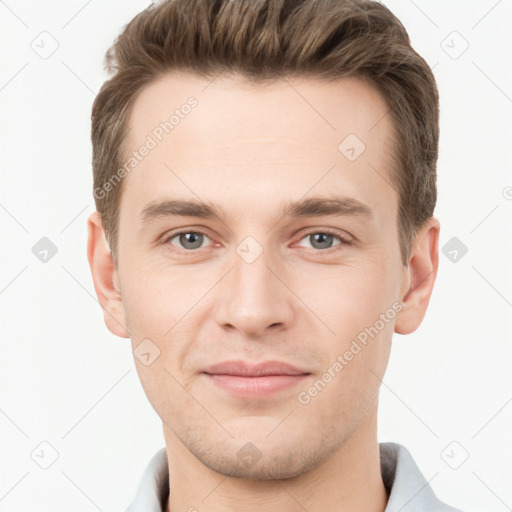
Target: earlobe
{"points": [[105, 277], [420, 277]]}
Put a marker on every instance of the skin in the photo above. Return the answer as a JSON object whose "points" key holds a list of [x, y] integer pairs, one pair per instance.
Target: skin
{"points": [[248, 149]]}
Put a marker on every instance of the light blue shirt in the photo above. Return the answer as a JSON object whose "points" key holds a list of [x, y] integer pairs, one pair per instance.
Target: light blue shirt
{"points": [[407, 487]]}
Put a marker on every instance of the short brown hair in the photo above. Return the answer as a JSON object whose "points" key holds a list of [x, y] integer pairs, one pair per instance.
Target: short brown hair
{"points": [[264, 40]]}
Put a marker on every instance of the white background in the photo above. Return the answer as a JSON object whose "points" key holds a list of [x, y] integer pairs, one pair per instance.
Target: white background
{"points": [[67, 381]]}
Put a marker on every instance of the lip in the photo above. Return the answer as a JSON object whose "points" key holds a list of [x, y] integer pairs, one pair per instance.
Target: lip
{"points": [[243, 369], [248, 380]]}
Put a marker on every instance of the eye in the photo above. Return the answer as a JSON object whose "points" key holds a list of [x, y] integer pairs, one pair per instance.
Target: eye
{"points": [[193, 240], [189, 240], [323, 240]]}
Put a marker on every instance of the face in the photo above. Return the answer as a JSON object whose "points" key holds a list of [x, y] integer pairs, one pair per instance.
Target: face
{"points": [[293, 258]]}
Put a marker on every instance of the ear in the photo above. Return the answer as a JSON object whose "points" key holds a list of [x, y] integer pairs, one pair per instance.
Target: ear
{"points": [[420, 275], [105, 277]]}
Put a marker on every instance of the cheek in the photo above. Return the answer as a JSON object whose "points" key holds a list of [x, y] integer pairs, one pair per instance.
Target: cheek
{"points": [[156, 298], [350, 298], [359, 309]]}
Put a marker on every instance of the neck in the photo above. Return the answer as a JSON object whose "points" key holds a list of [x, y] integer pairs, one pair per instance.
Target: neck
{"points": [[350, 480]]}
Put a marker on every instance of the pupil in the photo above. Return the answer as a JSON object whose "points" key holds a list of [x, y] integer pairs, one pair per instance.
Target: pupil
{"points": [[323, 238], [191, 238]]}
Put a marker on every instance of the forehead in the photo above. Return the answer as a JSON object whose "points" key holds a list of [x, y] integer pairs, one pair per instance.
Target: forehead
{"points": [[212, 138]]}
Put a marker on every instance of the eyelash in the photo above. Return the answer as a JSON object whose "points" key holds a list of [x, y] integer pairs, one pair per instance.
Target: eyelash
{"points": [[343, 241]]}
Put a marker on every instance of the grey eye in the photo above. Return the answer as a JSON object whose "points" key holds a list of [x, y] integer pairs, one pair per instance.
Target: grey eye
{"points": [[322, 240], [189, 239]]}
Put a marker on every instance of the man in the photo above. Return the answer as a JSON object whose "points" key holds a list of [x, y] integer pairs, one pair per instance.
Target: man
{"points": [[264, 175]]}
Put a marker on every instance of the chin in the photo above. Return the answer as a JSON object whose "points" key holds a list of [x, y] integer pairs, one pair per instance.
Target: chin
{"points": [[264, 457]]}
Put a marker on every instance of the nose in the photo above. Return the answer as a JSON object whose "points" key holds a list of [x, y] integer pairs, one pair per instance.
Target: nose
{"points": [[254, 297]]}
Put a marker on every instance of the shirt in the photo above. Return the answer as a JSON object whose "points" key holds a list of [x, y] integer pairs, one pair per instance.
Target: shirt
{"points": [[408, 490]]}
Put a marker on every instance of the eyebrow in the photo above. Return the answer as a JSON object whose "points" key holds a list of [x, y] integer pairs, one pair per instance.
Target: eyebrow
{"points": [[312, 207]]}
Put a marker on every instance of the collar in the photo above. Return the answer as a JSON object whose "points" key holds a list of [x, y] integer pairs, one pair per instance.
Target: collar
{"points": [[408, 490]]}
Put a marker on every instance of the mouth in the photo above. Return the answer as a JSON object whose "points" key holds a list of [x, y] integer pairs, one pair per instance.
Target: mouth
{"points": [[247, 380]]}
